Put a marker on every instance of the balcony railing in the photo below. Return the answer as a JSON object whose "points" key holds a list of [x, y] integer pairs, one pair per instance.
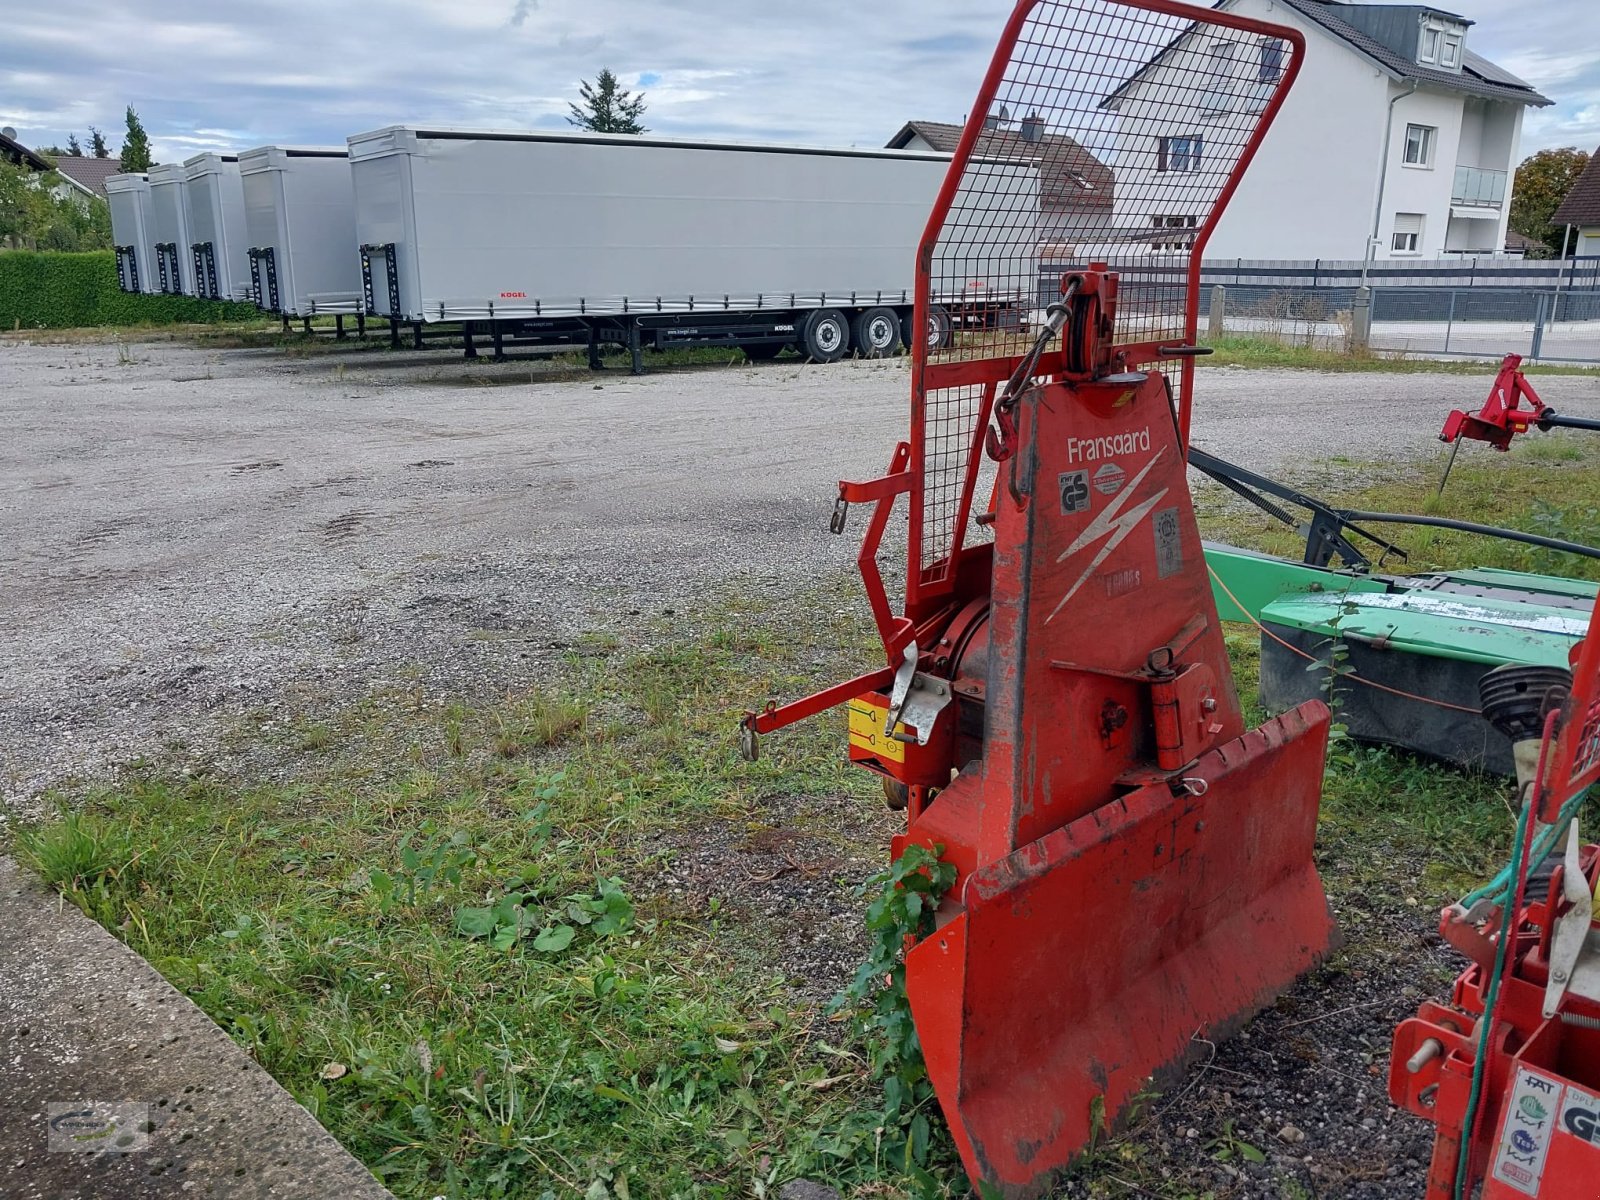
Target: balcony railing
{"points": [[1475, 186]]}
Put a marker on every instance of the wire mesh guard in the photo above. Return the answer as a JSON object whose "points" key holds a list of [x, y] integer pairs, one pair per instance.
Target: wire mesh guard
{"points": [[1107, 131]]}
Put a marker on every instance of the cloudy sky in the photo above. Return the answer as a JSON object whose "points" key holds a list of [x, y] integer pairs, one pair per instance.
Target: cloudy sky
{"points": [[214, 74]]}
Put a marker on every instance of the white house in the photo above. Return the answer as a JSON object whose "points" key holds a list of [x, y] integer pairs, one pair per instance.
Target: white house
{"points": [[1397, 140]]}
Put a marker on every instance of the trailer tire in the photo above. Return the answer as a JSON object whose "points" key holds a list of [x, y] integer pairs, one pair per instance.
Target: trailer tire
{"points": [[938, 332], [825, 336], [764, 351], [876, 332]]}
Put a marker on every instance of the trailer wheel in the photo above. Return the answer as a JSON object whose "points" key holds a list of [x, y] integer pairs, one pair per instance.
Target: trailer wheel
{"points": [[763, 351], [825, 336], [937, 334], [876, 332]]}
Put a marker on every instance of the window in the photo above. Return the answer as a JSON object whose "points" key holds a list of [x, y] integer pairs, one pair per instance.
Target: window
{"points": [[1407, 233], [1270, 69], [1440, 45], [1168, 242], [1419, 145], [1218, 96], [1179, 153]]}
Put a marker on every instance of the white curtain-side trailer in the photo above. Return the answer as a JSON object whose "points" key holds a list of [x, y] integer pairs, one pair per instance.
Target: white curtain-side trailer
{"points": [[131, 231], [215, 198], [169, 212], [648, 241], [300, 221]]}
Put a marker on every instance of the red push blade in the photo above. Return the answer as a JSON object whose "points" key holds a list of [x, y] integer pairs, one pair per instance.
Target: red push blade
{"points": [[1088, 961]]}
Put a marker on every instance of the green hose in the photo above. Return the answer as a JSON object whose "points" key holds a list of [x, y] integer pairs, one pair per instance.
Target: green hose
{"points": [[1498, 887]]}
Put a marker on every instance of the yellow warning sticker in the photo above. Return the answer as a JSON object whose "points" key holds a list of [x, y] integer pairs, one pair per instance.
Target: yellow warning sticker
{"points": [[866, 731]]}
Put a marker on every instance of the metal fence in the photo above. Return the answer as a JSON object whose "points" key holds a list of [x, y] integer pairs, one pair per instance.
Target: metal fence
{"points": [[1577, 274], [1483, 308], [1553, 326], [1469, 322]]}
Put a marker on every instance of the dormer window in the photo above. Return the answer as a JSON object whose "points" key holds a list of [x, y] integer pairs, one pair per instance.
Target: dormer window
{"points": [[1439, 45]]}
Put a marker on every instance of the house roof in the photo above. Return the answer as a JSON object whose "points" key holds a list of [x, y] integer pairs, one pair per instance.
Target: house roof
{"points": [[90, 174], [14, 151], [1521, 241], [1069, 176], [1478, 76], [1581, 206]]}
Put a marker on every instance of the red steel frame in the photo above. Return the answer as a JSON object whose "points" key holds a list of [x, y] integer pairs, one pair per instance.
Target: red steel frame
{"points": [[1133, 863], [923, 589]]}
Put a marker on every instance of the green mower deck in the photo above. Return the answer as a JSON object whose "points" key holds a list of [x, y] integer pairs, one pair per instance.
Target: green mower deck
{"points": [[1423, 640]]}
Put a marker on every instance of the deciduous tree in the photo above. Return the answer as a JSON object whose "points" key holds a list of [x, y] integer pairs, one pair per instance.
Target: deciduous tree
{"points": [[1541, 183]]}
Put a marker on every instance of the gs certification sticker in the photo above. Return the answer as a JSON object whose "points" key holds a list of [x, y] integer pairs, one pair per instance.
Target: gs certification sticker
{"points": [[1074, 492]]}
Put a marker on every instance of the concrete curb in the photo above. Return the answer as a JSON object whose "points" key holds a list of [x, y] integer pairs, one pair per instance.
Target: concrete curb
{"points": [[86, 1023]]}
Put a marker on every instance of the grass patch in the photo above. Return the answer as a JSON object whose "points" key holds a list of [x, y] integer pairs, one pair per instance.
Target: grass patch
{"points": [[87, 858], [1547, 484], [1234, 350], [441, 924], [437, 926]]}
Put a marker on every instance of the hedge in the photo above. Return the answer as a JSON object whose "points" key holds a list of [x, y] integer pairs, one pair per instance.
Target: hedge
{"points": [[49, 290]]}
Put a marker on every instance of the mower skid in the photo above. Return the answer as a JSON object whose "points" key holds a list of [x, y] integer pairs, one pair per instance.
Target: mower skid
{"points": [[1089, 961]]}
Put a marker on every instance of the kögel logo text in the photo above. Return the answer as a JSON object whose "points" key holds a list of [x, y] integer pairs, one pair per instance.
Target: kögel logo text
{"points": [[1094, 449]]}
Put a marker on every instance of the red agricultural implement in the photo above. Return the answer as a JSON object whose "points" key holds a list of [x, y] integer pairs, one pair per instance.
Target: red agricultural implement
{"points": [[1513, 408], [1509, 1070], [1057, 712]]}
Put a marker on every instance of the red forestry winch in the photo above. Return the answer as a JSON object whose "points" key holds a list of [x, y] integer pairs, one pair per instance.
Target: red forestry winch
{"points": [[1057, 710]]}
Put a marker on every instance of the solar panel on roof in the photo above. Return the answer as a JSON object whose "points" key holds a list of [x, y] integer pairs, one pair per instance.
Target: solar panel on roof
{"points": [[1485, 69]]}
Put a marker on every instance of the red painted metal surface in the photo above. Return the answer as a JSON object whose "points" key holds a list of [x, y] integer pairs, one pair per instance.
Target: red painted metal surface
{"points": [[1502, 416], [1082, 965], [1110, 906], [1117, 77], [1535, 1129], [1134, 865], [1557, 1155]]}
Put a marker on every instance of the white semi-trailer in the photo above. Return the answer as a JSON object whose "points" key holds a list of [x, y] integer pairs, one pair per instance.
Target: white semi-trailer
{"points": [[649, 241], [215, 199], [169, 211], [300, 222], [131, 231]]}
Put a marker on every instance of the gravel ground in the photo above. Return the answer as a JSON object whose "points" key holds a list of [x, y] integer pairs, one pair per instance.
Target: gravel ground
{"points": [[187, 535]]}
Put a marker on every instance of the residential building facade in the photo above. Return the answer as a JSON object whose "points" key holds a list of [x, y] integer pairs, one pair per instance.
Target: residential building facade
{"points": [[1397, 141]]}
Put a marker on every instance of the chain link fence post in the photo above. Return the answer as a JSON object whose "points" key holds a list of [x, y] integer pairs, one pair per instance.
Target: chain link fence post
{"points": [[1219, 301]]}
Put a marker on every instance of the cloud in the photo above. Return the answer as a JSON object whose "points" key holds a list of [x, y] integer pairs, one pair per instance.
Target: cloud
{"points": [[833, 73]]}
